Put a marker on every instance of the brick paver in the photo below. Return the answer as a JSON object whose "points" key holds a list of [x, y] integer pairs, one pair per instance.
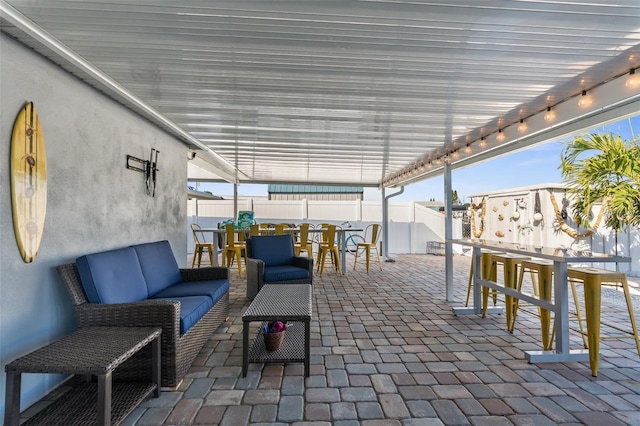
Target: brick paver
{"points": [[387, 350]]}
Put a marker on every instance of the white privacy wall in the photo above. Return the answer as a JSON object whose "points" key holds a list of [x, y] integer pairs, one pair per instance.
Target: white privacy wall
{"points": [[94, 202], [411, 224]]}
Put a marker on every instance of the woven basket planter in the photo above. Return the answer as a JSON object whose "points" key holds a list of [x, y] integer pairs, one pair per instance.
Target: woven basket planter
{"points": [[272, 341]]}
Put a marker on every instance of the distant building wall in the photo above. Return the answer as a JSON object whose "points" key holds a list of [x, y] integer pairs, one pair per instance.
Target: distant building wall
{"points": [[315, 192]]}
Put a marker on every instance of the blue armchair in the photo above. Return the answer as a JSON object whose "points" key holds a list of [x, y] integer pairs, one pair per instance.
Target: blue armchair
{"points": [[271, 260]]}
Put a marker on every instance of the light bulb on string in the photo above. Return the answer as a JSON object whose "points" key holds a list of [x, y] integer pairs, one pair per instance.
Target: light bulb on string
{"points": [[467, 149], [500, 136], [585, 100], [456, 154], [483, 142], [633, 79], [522, 127], [550, 115]]}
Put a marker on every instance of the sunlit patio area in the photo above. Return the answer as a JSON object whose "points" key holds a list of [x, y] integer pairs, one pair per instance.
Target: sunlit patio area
{"points": [[387, 349]]}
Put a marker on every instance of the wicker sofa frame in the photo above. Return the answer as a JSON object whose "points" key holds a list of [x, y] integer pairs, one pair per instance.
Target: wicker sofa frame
{"points": [[177, 351]]}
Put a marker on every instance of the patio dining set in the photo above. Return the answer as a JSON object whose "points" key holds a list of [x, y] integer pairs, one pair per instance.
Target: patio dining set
{"points": [[229, 240]]}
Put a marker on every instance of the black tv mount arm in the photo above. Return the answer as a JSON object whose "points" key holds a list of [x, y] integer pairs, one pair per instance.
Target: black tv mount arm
{"points": [[148, 167]]}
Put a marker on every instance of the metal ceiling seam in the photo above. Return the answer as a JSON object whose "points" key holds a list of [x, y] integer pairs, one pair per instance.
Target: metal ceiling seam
{"points": [[113, 88]]}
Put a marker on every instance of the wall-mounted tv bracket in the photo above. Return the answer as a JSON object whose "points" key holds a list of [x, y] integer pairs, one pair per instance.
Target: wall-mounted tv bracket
{"points": [[148, 167]]}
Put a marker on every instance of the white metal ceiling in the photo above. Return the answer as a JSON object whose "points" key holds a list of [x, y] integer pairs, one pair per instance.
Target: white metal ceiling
{"points": [[337, 92]]}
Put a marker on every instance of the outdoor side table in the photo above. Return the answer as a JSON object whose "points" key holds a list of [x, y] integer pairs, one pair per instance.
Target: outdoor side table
{"points": [[95, 351], [284, 302]]}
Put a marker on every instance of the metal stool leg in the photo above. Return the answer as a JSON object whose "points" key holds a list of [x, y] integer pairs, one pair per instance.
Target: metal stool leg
{"points": [[634, 327], [592, 304]]}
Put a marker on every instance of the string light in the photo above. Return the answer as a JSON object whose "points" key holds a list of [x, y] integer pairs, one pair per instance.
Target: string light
{"points": [[456, 154], [633, 80], [522, 127], [550, 115], [483, 143], [585, 100], [467, 149], [501, 136]]}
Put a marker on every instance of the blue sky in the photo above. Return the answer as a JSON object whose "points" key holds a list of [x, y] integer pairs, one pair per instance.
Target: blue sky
{"points": [[532, 166]]}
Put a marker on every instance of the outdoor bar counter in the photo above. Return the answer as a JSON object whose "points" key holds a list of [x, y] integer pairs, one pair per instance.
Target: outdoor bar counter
{"points": [[561, 258]]}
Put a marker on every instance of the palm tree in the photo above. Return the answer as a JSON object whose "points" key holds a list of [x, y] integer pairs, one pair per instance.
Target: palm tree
{"points": [[611, 175]]}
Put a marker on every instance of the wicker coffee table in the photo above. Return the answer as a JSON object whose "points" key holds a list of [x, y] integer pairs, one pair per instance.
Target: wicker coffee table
{"points": [[284, 302], [93, 351]]}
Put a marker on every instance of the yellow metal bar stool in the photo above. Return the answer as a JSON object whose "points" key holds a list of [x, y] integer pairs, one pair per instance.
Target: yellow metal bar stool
{"points": [[593, 279], [488, 272], [541, 272], [510, 264]]}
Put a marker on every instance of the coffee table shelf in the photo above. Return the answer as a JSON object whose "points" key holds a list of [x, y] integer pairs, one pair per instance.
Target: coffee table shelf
{"points": [[291, 350]]}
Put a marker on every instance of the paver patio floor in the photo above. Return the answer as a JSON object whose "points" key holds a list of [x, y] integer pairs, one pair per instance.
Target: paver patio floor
{"points": [[387, 350]]}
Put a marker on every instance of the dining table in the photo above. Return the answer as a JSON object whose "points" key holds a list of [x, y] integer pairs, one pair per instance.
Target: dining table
{"points": [[561, 257], [341, 234]]}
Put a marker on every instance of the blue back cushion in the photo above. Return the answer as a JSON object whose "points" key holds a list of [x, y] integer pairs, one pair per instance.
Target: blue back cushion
{"points": [[112, 276], [273, 250], [159, 265]]}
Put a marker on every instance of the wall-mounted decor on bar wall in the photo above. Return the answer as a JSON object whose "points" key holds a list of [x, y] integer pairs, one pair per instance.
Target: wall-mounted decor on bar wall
{"points": [[28, 182]]}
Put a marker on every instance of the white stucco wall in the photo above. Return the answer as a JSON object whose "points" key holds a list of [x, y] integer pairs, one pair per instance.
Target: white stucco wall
{"points": [[94, 202]]}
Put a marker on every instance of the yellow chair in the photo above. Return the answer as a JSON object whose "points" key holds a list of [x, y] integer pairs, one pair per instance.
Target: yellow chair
{"points": [[541, 272], [264, 228], [593, 279], [331, 248], [510, 263], [233, 249], [201, 246], [283, 228], [374, 232], [254, 230], [488, 270], [303, 244]]}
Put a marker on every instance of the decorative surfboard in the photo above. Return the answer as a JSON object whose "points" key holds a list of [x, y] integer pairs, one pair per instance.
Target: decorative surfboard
{"points": [[28, 182]]}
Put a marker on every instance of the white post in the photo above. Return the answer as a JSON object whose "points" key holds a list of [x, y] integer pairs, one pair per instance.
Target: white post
{"points": [[448, 226]]}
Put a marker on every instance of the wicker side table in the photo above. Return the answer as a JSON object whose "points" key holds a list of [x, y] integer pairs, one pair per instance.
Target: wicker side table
{"points": [[284, 302], [95, 351]]}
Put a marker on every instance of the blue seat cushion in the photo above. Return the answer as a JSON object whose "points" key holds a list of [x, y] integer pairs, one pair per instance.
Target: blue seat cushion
{"points": [[215, 289], [273, 250], [112, 276], [159, 265], [192, 308], [284, 273]]}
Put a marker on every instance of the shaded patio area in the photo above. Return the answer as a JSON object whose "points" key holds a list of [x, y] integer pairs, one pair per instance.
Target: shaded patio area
{"points": [[386, 349]]}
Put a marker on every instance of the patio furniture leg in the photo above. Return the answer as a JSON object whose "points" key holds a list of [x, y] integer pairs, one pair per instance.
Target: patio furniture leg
{"points": [[592, 302], [12, 399]]}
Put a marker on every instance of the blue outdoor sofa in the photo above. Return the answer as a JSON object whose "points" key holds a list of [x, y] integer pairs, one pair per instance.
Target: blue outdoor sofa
{"points": [[142, 286]]}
